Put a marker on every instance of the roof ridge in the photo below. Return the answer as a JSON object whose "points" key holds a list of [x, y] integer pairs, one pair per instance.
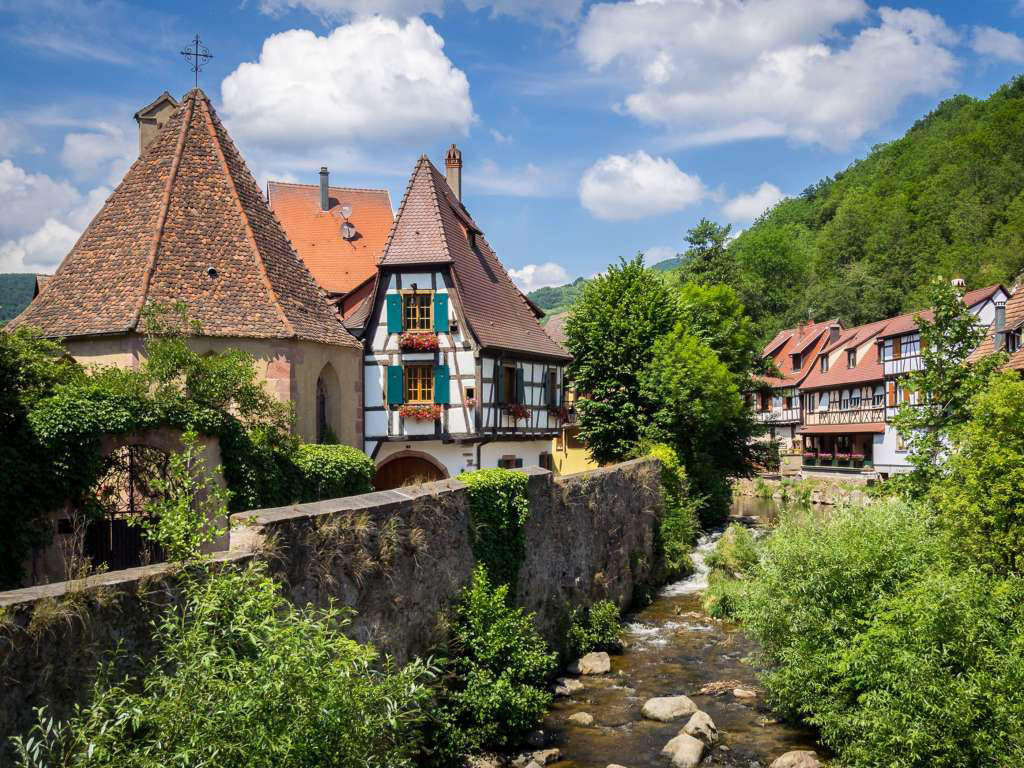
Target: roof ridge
{"points": [[165, 205], [329, 186], [249, 234]]}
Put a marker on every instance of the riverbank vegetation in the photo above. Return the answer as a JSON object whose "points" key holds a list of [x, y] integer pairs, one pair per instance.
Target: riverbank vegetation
{"points": [[654, 363], [897, 628]]}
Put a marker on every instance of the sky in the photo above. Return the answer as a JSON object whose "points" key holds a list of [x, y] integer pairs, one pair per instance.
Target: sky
{"points": [[589, 131]]}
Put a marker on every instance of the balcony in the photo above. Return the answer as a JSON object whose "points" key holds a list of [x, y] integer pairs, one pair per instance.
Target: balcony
{"points": [[902, 365], [838, 417], [777, 416]]}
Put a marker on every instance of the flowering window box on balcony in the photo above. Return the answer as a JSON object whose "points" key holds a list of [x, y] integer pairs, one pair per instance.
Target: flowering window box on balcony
{"points": [[810, 457], [857, 459], [412, 341], [842, 458]]}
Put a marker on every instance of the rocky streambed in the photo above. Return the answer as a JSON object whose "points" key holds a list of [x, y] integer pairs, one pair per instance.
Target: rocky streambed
{"points": [[673, 649]]}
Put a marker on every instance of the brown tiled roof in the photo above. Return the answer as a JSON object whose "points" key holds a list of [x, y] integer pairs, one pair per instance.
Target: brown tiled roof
{"points": [[187, 223], [555, 327], [867, 370], [979, 295], [907, 322], [806, 338], [337, 264], [432, 227]]}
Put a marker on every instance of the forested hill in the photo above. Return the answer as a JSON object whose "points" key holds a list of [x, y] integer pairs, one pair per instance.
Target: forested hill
{"points": [[945, 199], [16, 290]]}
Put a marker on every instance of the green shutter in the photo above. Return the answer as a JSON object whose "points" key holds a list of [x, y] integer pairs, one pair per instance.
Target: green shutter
{"points": [[441, 313], [396, 388], [441, 389], [394, 313], [520, 387]]}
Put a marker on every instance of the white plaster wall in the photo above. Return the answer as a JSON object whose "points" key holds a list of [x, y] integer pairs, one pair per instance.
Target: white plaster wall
{"points": [[887, 455]]}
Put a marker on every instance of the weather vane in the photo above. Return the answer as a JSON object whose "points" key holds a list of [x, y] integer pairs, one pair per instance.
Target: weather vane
{"points": [[199, 55]]}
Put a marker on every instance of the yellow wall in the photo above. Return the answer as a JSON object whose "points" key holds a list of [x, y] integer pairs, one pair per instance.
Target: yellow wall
{"points": [[289, 369], [569, 454]]}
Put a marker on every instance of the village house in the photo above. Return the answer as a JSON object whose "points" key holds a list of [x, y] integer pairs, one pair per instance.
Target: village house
{"points": [[569, 453], [1004, 333], [776, 402], [188, 223], [458, 372]]}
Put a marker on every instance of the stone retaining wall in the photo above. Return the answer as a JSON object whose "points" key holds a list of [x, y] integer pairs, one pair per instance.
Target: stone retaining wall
{"points": [[399, 558]]}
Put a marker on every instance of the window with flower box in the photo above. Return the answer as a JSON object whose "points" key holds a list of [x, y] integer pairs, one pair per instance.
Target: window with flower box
{"points": [[419, 384], [418, 311]]}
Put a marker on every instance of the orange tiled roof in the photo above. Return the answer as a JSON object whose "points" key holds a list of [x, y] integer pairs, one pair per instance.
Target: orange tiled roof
{"points": [[187, 222], [868, 368], [805, 338], [434, 227], [907, 322], [1014, 320], [337, 264], [555, 327]]}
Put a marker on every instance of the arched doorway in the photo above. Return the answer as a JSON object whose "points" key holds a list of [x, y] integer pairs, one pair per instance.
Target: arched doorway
{"points": [[407, 468], [328, 405]]}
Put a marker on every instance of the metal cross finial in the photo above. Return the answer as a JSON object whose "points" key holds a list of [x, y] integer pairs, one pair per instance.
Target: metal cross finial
{"points": [[199, 55]]}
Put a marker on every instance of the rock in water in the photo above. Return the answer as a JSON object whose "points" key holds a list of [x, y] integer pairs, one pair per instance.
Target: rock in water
{"points": [[701, 726], [582, 718], [614, 765], [798, 758], [684, 750], [567, 686], [668, 708], [545, 756], [597, 663], [744, 693]]}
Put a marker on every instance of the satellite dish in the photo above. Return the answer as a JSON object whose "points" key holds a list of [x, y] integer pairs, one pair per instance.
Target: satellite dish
{"points": [[346, 211], [348, 231]]}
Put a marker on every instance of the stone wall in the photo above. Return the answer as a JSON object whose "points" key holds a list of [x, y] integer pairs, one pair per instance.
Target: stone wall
{"points": [[398, 558]]}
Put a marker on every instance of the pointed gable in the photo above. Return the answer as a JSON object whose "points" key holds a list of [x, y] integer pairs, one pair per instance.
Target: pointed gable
{"points": [[434, 227], [187, 223]]}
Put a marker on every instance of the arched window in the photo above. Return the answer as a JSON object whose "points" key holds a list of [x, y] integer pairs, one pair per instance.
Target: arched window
{"points": [[328, 405]]}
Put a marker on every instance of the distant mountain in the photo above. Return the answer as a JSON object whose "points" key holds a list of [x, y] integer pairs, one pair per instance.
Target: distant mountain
{"points": [[668, 264], [16, 291]]}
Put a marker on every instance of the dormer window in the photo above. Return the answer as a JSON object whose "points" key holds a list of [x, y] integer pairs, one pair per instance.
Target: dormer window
{"points": [[1013, 341], [824, 363], [897, 348], [796, 361], [851, 358]]}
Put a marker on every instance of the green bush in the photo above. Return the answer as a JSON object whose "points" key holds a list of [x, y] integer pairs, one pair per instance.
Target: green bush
{"points": [[818, 582], [500, 668], [332, 471], [596, 628], [678, 529], [723, 595], [735, 552], [498, 511], [244, 679]]}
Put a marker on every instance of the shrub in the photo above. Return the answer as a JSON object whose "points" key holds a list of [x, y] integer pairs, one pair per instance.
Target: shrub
{"points": [[817, 584], [678, 528], [723, 595], [735, 552], [596, 628], [332, 471], [498, 511], [244, 679], [500, 669]]}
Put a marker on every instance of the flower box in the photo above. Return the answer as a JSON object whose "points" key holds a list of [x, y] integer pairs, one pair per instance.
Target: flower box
{"points": [[412, 341], [843, 456], [857, 456], [471, 402], [559, 412], [421, 412], [518, 412], [824, 456], [810, 455]]}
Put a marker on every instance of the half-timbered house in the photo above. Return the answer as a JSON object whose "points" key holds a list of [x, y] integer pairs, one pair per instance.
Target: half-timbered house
{"points": [[458, 372]]}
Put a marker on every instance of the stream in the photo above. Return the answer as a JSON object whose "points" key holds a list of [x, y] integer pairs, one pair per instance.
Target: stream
{"points": [[673, 647]]}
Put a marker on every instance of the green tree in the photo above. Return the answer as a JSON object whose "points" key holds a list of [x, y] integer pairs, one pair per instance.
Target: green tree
{"points": [[611, 333], [945, 384], [980, 498], [707, 259], [716, 316]]}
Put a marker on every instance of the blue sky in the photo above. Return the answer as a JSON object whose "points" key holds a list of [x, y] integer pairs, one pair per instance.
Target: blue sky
{"points": [[589, 131]]}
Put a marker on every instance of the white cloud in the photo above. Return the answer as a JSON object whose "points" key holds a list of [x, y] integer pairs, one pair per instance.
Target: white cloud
{"points": [[375, 80], [107, 152], [41, 218], [541, 11], [500, 137], [635, 186], [746, 208], [534, 276], [658, 253], [721, 70], [530, 181], [989, 41]]}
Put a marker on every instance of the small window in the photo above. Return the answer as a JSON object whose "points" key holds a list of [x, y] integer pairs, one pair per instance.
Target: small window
{"points": [[470, 393], [824, 363], [552, 391], [419, 384], [510, 462], [418, 311], [508, 384], [851, 358], [897, 348], [796, 362], [1013, 341]]}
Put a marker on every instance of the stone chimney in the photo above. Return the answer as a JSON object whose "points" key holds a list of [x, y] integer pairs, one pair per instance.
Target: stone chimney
{"points": [[325, 194], [959, 283], [453, 170], [152, 117], [999, 336]]}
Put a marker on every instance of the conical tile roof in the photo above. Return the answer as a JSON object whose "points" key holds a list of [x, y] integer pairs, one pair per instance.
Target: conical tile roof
{"points": [[187, 223], [434, 227]]}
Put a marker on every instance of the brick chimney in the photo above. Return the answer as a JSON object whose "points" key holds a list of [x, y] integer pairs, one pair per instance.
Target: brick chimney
{"points": [[325, 194], [959, 283], [453, 170], [999, 335]]}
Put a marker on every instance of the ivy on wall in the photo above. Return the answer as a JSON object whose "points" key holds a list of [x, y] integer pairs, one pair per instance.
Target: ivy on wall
{"points": [[499, 508]]}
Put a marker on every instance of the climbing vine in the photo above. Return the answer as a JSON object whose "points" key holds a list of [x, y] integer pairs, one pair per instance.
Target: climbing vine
{"points": [[498, 511]]}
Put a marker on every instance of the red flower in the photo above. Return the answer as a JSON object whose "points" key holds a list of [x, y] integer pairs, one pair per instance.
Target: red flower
{"points": [[518, 412], [418, 342], [420, 412]]}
